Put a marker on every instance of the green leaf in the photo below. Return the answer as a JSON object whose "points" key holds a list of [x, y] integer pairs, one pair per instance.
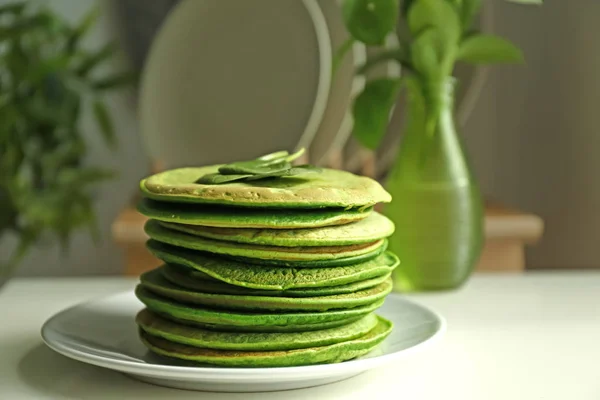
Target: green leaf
{"points": [[216, 178], [370, 21], [482, 49], [274, 156], [25, 25], [254, 167], [13, 8], [271, 165], [115, 81], [372, 109], [406, 4], [425, 59], [295, 171], [400, 55], [468, 11], [440, 16], [338, 58], [268, 163], [91, 61], [82, 28], [78, 177], [295, 155], [47, 67], [104, 123]]}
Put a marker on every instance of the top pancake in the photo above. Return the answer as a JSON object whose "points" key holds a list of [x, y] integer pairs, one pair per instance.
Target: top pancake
{"points": [[330, 188]]}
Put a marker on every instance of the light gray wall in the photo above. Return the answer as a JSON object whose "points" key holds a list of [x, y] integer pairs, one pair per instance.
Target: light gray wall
{"points": [[129, 160], [534, 134], [533, 138]]}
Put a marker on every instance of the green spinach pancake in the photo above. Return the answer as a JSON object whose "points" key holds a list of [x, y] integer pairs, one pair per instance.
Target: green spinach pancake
{"points": [[370, 229], [156, 283], [269, 277], [332, 353], [329, 188]]}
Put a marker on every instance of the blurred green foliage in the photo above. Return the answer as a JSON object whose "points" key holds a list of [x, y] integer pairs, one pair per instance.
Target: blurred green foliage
{"points": [[47, 79], [433, 36]]}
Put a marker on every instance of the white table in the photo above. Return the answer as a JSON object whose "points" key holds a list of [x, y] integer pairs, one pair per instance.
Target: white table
{"points": [[509, 337]]}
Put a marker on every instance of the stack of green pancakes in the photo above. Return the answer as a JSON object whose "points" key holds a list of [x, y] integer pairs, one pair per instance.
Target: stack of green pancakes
{"points": [[270, 270]]}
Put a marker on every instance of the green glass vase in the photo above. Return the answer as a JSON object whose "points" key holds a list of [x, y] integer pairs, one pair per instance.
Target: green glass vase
{"points": [[437, 206]]}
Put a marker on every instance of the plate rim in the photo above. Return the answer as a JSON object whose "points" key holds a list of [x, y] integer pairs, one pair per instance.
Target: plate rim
{"points": [[231, 374]]}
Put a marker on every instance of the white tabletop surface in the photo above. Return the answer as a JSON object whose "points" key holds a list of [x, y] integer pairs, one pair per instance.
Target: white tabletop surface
{"points": [[509, 337]]}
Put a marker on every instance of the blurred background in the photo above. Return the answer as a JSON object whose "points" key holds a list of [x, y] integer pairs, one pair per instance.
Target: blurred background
{"points": [[530, 129]]}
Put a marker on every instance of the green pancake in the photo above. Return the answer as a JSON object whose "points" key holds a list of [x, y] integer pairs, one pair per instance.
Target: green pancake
{"points": [[230, 217], [272, 278], [330, 188], [250, 321], [305, 256], [156, 283], [370, 229], [333, 353], [197, 337], [196, 280], [261, 329]]}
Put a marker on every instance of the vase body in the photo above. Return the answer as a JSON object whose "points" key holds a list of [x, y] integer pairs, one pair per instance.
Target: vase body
{"points": [[437, 206]]}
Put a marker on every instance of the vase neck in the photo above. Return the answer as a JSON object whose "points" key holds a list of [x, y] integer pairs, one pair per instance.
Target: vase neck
{"points": [[432, 91], [431, 148]]}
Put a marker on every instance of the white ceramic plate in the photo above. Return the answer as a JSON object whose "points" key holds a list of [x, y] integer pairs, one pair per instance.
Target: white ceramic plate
{"points": [[228, 80], [103, 333]]}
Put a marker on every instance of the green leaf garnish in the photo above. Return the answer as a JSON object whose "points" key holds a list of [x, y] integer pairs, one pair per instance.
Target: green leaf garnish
{"points": [[274, 156], [274, 165], [295, 156], [216, 178], [300, 170], [255, 167]]}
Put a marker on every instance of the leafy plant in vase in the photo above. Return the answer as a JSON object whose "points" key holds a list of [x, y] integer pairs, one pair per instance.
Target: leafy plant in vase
{"points": [[47, 80], [437, 205]]}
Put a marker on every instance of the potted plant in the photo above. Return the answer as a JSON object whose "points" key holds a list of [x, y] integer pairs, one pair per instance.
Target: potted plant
{"points": [[47, 79], [437, 206]]}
